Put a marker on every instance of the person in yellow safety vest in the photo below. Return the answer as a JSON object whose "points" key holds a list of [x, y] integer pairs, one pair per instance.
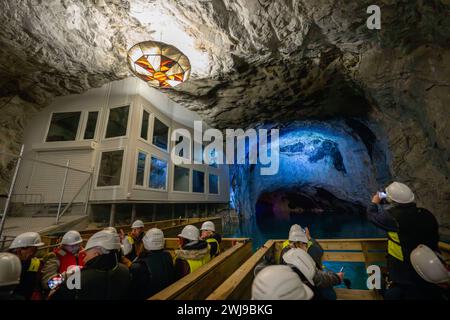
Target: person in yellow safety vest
{"points": [[407, 226], [10, 271], [25, 247], [301, 238], [133, 241], [209, 234], [193, 252]]}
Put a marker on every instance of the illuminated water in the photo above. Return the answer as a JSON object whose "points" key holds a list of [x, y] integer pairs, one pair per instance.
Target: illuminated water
{"points": [[325, 226]]}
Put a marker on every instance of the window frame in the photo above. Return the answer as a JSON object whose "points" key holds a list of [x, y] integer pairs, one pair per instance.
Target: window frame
{"points": [[77, 134], [108, 111], [141, 118], [85, 121], [168, 134], [191, 149], [152, 155], [204, 182], [122, 172], [146, 168], [173, 180], [218, 184]]}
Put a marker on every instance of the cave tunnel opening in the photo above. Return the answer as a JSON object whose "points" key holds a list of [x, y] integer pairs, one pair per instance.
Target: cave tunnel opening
{"points": [[328, 170], [326, 215]]}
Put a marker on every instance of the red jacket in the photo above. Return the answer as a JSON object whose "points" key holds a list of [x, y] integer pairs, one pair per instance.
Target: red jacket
{"points": [[67, 259]]}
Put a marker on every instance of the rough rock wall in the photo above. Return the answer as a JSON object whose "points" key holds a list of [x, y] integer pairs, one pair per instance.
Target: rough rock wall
{"points": [[268, 60]]}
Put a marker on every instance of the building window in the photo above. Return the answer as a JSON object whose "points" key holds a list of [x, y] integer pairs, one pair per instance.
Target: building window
{"points": [[158, 174], [213, 158], [144, 125], [91, 124], [140, 169], [181, 179], [184, 140], [63, 126], [117, 122], [160, 134], [198, 181], [110, 168], [213, 184]]}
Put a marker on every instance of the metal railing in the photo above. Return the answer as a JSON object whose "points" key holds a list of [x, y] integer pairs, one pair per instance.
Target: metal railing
{"points": [[73, 188], [27, 198]]}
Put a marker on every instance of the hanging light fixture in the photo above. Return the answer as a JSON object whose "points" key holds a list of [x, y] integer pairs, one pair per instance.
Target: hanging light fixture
{"points": [[159, 64]]}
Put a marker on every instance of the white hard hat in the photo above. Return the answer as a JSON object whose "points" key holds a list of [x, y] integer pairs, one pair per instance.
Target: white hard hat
{"points": [[190, 232], [295, 227], [399, 192], [154, 239], [71, 237], [27, 239], [298, 236], [111, 229], [302, 261], [209, 226], [137, 224], [279, 282], [428, 265], [10, 269], [106, 239]]}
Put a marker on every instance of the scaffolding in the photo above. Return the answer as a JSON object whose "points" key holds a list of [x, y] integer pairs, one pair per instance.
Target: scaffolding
{"points": [[31, 202]]}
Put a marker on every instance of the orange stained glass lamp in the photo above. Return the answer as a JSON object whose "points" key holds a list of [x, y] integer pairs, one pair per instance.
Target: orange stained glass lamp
{"points": [[159, 64]]}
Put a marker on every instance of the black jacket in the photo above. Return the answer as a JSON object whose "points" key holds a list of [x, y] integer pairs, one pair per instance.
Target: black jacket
{"points": [[102, 278], [414, 226], [29, 281], [151, 273]]}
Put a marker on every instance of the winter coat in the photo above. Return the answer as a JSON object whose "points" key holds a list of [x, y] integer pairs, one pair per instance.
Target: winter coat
{"points": [[150, 273], [192, 256], [102, 278]]}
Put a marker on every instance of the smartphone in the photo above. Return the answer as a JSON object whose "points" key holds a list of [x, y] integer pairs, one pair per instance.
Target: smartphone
{"points": [[382, 195], [55, 281]]}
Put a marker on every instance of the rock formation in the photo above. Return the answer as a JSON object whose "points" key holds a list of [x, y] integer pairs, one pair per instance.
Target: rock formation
{"points": [[264, 61]]}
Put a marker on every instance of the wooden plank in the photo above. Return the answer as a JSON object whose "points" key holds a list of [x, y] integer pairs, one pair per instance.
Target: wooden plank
{"points": [[344, 256], [238, 284], [444, 247], [344, 245], [382, 245], [375, 257], [353, 294], [198, 284], [216, 276]]}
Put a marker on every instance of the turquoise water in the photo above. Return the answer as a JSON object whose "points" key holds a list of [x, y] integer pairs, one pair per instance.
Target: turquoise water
{"points": [[325, 226]]}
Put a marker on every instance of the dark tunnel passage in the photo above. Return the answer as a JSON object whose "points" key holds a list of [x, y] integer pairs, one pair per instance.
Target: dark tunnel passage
{"points": [[327, 173], [317, 209]]}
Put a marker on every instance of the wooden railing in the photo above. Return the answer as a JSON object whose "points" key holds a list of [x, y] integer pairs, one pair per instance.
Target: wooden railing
{"points": [[170, 228], [368, 251], [200, 283]]}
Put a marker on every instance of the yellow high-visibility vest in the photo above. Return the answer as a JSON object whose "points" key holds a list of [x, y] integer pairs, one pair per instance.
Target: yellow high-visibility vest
{"points": [[394, 247], [130, 240], [197, 263], [210, 240], [34, 265]]}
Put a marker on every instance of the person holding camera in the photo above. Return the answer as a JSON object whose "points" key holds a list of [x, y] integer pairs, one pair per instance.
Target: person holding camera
{"points": [[407, 226]]}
